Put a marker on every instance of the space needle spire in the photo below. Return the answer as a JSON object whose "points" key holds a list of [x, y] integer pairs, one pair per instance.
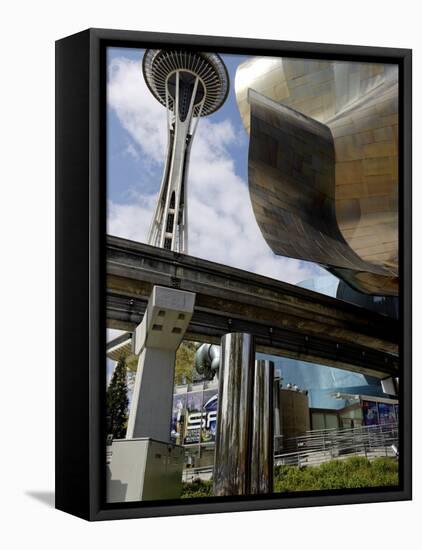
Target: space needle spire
{"points": [[190, 85]]}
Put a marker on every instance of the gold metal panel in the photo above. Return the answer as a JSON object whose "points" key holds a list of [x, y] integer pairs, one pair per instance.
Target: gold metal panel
{"points": [[358, 102]]}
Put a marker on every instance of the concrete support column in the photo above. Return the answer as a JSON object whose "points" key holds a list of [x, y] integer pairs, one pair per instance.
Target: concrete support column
{"points": [[262, 451], [234, 417], [151, 407], [156, 340]]}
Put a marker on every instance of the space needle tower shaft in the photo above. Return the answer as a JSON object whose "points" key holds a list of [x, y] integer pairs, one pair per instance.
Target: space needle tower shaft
{"points": [[189, 85]]}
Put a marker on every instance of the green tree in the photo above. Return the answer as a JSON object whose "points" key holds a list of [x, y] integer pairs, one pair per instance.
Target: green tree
{"points": [[131, 368], [117, 401], [185, 362], [184, 368]]}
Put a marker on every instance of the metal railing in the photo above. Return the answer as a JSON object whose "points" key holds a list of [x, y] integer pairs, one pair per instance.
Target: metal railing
{"points": [[203, 473], [318, 446]]}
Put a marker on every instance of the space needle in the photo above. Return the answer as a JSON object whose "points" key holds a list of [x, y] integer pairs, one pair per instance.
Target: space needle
{"points": [[189, 85]]}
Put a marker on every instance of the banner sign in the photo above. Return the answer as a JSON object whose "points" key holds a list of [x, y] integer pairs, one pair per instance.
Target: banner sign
{"points": [[194, 418]]}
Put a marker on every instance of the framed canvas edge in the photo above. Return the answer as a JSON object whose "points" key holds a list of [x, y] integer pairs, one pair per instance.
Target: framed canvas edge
{"points": [[98, 38]]}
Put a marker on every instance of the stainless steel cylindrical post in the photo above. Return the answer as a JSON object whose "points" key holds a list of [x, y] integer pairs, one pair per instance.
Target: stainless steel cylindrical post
{"points": [[262, 451], [234, 417], [278, 439]]}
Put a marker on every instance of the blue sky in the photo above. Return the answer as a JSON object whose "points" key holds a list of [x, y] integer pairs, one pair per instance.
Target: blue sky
{"points": [[124, 170]]}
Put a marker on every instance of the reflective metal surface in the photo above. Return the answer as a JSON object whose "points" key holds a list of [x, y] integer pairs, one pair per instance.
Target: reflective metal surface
{"points": [[262, 451], [342, 200], [277, 423], [207, 360], [234, 417]]}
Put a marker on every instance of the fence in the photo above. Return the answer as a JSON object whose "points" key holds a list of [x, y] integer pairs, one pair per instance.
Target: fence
{"points": [[319, 446]]}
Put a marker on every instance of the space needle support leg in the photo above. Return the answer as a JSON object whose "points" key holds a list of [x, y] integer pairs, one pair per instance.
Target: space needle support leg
{"points": [[190, 85]]}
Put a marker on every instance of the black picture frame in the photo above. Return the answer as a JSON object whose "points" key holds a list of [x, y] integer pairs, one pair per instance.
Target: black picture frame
{"points": [[80, 271]]}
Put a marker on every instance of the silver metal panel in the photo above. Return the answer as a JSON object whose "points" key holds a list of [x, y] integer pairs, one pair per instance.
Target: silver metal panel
{"points": [[234, 418], [277, 423]]}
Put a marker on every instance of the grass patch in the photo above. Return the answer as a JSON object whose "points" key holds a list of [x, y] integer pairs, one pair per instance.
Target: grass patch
{"points": [[197, 488], [351, 473]]}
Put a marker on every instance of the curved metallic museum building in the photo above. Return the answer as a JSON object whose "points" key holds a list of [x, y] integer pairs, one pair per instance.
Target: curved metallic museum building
{"points": [[323, 163]]}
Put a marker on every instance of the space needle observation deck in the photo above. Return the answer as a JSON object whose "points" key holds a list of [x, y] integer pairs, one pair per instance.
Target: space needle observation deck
{"points": [[189, 85]]}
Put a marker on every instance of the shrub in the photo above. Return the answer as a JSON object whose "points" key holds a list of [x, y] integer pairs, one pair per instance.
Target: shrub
{"points": [[196, 489], [354, 472], [351, 473]]}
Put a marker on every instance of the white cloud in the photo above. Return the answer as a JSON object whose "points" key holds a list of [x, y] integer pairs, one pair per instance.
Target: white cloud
{"points": [[222, 226], [131, 221], [132, 151], [112, 333], [138, 111]]}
